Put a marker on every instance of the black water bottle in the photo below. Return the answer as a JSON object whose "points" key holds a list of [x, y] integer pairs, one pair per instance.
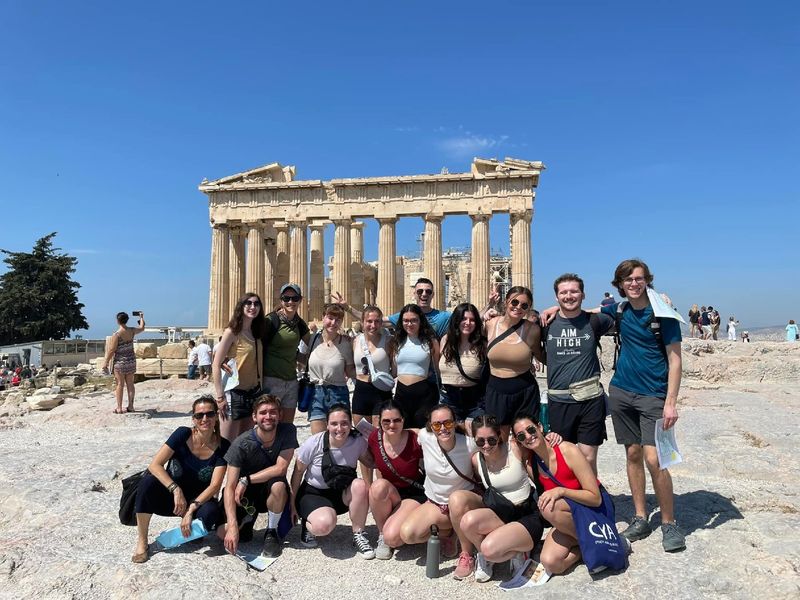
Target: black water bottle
{"points": [[432, 561]]}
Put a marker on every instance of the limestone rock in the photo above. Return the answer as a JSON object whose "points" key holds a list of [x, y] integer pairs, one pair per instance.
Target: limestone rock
{"points": [[14, 399], [172, 351], [145, 350], [44, 402], [43, 391], [71, 381]]}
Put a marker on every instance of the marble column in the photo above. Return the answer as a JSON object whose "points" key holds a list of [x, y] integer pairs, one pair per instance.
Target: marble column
{"points": [[281, 259], [521, 248], [298, 262], [316, 288], [269, 275], [480, 286], [432, 259], [236, 259], [402, 292], [357, 297], [254, 274], [218, 313], [386, 265], [341, 258]]}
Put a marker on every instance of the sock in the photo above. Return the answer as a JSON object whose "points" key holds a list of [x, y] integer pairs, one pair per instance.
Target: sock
{"points": [[273, 519]]}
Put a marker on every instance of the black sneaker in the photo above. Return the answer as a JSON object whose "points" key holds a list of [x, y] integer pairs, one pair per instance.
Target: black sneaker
{"points": [[272, 544], [306, 537], [246, 529], [638, 529]]}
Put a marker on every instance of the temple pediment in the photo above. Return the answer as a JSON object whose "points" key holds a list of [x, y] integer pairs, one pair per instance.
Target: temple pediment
{"points": [[271, 173]]}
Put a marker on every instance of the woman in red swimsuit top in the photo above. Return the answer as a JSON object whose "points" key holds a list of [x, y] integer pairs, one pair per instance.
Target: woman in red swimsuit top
{"points": [[567, 463]]}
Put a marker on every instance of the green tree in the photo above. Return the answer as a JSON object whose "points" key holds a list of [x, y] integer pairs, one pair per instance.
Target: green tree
{"points": [[38, 299]]}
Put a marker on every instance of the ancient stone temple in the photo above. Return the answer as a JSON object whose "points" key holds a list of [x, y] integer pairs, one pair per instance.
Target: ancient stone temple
{"points": [[268, 227]]}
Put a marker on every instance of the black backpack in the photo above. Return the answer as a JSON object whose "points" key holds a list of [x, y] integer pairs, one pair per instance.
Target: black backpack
{"points": [[653, 323]]}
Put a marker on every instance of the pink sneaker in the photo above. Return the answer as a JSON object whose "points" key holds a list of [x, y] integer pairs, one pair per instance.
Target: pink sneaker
{"points": [[464, 567], [449, 545]]}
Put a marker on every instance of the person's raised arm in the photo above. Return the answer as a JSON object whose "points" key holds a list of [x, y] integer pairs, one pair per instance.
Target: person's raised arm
{"points": [[337, 298], [140, 328], [220, 358]]}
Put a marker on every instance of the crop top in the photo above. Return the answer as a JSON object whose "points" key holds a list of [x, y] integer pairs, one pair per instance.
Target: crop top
{"points": [[413, 358]]}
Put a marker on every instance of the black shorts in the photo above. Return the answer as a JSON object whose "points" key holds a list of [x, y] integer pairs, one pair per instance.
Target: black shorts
{"points": [[532, 522], [415, 401], [579, 422], [367, 399], [310, 499], [508, 397], [412, 493], [466, 402], [256, 495]]}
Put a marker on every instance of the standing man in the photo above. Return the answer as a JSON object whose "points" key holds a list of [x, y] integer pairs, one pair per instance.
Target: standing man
{"points": [[645, 388], [255, 482], [607, 299], [576, 400], [204, 360], [191, 361]]}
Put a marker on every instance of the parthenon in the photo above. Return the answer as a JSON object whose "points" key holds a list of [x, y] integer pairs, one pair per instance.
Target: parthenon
{"points": [[261, 220]]}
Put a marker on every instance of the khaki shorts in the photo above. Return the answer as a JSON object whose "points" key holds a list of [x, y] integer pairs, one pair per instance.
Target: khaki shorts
{"points": [[285, 390]]}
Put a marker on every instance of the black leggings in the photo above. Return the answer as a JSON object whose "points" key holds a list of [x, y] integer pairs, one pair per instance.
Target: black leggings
{"points": [[152, 498], [415, 401]]}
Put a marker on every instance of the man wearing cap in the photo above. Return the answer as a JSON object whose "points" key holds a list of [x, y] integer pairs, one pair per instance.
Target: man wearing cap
{"points": [[282, 335]]}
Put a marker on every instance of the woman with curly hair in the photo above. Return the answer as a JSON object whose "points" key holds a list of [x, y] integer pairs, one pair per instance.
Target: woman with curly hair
{"points": [[461, 363]]}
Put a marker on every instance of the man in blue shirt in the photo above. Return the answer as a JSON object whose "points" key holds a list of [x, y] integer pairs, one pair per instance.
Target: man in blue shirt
{"points": [[644, 389]]}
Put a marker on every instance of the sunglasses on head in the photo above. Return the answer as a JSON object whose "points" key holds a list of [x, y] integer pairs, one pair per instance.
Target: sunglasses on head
{"points": [[521, 436], [437, 426], [290, 298], [523, 305], [490, 441], [198, 416], [424, 292], [394, 421], [255, 303]]}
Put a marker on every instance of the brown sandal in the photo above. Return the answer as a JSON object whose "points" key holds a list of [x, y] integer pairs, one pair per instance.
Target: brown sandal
{"points": [[140, 558]]}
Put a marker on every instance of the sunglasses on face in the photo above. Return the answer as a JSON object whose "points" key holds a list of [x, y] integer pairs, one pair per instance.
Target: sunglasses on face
{"points": [[395, 421], [523, 305], [521, 436], [423, 292], [199, 416], [255, 303], [437, 426], [490, 441], [290, 298]]}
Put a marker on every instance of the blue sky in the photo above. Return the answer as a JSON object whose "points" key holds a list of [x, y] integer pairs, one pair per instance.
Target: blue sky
{"points": [[669, 132]]}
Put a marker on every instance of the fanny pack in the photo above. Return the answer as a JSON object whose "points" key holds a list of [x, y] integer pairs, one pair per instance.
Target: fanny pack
{"points": [[337, 477], [380, 379], [582, 390]]}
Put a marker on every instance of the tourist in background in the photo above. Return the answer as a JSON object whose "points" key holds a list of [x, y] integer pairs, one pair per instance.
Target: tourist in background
{"points": [[415, 349], [607, 299], [461, 362], [204, 361], [732, 325], [192, 361], [715, 320], [791, 331], [694, 321], [241, 341], [283, 332], [189, 490], [120, 347]]}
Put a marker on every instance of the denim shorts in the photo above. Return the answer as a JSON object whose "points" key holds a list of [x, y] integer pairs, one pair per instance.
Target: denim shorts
{"points": [[326, 396]]}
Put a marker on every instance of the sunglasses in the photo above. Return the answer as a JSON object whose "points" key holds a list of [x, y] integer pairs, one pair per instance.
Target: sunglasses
{"points": [[523, 305], [199, 416], [437, 426], [255, 303], [391, 421], [249, 508], [290, 298], [423, 292], [365, 367], [490, 441], [521, 436]]}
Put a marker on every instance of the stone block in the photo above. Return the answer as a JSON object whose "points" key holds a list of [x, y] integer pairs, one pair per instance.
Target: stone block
{"points": [[43, 391], [45, 402], [172, 351], [145, 350], [14, 399], [71, 381]]}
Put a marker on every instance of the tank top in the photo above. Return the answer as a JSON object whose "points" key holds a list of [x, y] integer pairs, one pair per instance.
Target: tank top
{"points": [[413, 358], [327, 364], [563, 473], [245, 351], [452, 376], [512, 480], [512, 356], [379, 357]]}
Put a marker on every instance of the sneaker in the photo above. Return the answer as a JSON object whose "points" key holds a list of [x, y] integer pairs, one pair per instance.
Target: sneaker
{"points": [[516, 562], [464, 567], [246, 529], [483, 569], [363, 549], [449, 545], [673, 538], [382, 550], [627, 545], [272, 544], [638, 529], [306, 537]]}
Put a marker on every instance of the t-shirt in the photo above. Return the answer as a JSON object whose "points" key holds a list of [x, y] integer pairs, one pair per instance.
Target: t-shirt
{"points": [[705, 318], [204, 354], [249, 454], [280, 348], [327, 363], [571, 348], [406, 463], [641, 366], [440, 479], [310, 454], [196, 472], [438, 319], [607, 301], [192, 359]]}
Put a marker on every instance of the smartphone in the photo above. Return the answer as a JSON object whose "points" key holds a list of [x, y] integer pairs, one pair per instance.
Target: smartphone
{"points": [[137, 313]]}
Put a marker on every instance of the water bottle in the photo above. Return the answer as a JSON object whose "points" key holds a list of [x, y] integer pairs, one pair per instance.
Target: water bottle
{"points": [[432, 561], [172, 538]]}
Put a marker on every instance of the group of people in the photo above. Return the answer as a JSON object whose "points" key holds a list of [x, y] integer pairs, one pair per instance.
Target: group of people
{"points": [[198, 360], [14, 375], [451, 416]]}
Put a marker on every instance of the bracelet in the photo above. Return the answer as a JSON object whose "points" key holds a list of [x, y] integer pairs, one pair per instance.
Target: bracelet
{"points": [[172, 487], [194, 502]]}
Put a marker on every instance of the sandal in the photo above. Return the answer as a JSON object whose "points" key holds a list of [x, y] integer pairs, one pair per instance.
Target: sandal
{"points": [[140, 558]]}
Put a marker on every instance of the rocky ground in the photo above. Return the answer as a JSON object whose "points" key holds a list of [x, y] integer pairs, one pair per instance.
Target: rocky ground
{"points": [[736, 497]]}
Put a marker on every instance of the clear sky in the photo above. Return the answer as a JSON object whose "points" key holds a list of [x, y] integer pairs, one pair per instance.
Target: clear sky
{"points": [[670, 131]]}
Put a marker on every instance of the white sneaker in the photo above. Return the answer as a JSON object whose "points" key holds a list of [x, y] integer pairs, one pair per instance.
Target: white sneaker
{"points": [[363, 549], [483, 569], [382, 550]]}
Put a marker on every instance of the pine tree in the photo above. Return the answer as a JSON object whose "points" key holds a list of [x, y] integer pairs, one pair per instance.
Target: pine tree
{"points": [[38, 299]]}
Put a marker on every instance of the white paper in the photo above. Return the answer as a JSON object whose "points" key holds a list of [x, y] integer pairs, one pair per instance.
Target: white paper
{"points": [[530, 574], [661, 308], [365, 427], [230, 381], [258, 562], [667, 446]]}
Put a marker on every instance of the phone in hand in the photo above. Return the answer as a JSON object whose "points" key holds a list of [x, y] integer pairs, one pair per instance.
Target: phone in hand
{"points": [[137, 313]]}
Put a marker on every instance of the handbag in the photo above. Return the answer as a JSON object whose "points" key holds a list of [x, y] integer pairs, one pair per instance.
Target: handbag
{"points": [[598, 538], [390, 466], [337, 477], [380, 379], [127, 501], [305, 389], [506, 510]]}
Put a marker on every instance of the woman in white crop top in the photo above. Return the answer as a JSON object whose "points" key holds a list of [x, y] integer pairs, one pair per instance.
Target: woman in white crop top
{"points": [[416, 349], [367, 399], [462, 360]]}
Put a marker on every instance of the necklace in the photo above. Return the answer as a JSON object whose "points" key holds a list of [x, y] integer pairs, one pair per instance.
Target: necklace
{"points": [[203, 443]]}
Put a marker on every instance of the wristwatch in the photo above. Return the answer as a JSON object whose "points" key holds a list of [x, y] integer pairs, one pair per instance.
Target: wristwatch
{"points": [[244, 480]]}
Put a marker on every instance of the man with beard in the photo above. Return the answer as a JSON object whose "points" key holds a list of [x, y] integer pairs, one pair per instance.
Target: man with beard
{"points": [[255, 482]]}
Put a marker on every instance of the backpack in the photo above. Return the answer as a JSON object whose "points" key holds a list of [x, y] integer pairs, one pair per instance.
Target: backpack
{"points": [[653, 323], [274, 323]]}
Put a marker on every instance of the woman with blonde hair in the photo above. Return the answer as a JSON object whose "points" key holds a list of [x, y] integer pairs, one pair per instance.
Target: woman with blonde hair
{"points": [[694, 320]]}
